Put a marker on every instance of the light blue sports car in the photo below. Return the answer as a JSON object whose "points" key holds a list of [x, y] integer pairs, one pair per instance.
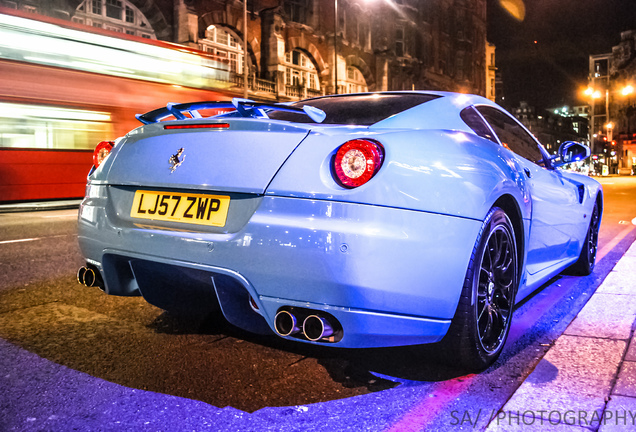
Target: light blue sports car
{"points": [[359, 220]]}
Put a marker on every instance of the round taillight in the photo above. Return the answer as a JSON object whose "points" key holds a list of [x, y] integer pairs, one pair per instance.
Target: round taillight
{"points": [[357, 161], [101, 151]]}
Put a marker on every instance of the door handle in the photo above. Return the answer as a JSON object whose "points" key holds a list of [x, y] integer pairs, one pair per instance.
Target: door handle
{"points": [[528, 173]]}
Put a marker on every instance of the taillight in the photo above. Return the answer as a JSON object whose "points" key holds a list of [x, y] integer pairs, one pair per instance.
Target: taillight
{"points": [[357, 161], [101, 151], [197, 126]]}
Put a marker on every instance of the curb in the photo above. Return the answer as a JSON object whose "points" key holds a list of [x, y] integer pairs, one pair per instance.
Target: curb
{"points": [[39, 205], [587, 379]]}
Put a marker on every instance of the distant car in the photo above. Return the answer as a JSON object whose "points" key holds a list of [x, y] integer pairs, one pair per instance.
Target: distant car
{"points": [[359, 220]]}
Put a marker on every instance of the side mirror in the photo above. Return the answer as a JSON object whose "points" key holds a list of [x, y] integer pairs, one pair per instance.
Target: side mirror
{"points": [[570, 151]]}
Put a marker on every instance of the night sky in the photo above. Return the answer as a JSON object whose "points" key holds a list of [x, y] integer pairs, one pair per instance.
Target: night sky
{"points": [[544, 58]]}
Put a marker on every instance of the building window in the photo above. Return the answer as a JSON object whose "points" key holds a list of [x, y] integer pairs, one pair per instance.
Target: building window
{"points": [[220, 42], [399, 41], [364, 36], [130, 15], [300, 71], [96, 7], [117, 15], [355, 82], [298, 10], [114, 9]]}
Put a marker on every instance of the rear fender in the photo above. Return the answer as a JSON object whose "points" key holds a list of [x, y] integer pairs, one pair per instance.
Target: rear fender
{"points": [[444, 172]]}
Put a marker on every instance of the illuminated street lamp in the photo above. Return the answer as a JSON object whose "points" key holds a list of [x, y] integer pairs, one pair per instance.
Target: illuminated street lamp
{"points": [[594, 94], [610, 131]]}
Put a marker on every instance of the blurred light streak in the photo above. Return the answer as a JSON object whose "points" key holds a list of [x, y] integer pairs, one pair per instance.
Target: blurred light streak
{"points": [[43, 43], [426, 411]]}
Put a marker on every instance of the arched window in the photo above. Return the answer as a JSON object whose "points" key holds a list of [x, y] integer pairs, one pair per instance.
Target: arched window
{"points": [[115, 15], [300, 71], [355, 82], [223, 43]]}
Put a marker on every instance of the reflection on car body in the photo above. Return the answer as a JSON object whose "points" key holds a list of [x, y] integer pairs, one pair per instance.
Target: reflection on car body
{"points": [[361, 220]]}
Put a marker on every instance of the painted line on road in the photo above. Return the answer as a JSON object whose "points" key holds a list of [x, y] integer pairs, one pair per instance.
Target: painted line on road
{"points": [[610, 245], [32, 239], [18, 241]]}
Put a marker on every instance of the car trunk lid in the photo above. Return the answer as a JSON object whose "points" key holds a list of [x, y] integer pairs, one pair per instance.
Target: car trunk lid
{"points": [[223, 155]]}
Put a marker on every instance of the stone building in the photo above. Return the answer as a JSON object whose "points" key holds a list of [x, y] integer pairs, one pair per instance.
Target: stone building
{"points": [[612, 98], [380, 45]]}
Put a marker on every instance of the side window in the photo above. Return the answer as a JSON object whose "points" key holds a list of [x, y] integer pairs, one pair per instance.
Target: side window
{"points": [[474, 121], [512, 135]]}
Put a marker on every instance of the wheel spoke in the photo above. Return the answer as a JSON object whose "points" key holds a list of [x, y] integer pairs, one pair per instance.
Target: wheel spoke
{"points": [[495, 288], [488, 328]]}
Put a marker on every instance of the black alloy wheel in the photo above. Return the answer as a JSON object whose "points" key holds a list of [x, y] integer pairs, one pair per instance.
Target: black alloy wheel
{"points": [[496, 288], [481, 323], [585, 264]]}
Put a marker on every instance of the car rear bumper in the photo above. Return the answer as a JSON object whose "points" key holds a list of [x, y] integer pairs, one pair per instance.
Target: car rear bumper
{"points": [[389, 276]]}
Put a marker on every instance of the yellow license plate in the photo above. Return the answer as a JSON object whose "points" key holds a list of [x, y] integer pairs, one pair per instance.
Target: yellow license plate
{"points": [[189, 208]]}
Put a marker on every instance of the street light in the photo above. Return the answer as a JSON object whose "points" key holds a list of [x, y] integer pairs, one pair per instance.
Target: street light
{"points": [[595, 94], [335, 46], [610, 131], [245, 64]]}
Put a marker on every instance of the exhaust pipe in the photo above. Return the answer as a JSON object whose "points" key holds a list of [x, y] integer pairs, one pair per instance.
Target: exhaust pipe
{"points": [[89, 277], [285, 323], [316, 328]]}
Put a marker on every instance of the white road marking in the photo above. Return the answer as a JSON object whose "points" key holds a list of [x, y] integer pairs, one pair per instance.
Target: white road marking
{"points": [[30, 239], [18, 241]]}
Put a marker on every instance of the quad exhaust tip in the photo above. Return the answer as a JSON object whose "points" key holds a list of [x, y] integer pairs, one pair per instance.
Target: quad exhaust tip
{"points": [[315, 327], [89, 277], [285, 323]]}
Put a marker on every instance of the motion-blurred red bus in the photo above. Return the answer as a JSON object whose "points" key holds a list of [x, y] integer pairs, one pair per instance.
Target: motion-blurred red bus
{"points": [[65, 89]]}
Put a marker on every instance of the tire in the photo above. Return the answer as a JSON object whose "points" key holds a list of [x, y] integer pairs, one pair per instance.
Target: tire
{"points": [[481, 323], [587, 259]]}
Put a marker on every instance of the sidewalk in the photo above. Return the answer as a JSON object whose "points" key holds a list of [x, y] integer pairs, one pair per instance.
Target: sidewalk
{"points": [[587, 379], [39, 205]]}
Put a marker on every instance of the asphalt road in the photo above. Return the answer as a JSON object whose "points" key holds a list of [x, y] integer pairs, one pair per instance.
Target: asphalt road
{"points": [[74, 358]]}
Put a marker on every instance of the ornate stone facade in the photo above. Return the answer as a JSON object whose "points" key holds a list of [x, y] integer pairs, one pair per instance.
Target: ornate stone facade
{"points": [[380, 45]]}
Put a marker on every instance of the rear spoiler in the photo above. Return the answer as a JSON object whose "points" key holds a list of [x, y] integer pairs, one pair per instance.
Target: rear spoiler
{"points": [[245, 107]]}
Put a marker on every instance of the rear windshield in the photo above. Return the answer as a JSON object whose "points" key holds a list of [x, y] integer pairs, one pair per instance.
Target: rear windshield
{"points": [[365, 109]]}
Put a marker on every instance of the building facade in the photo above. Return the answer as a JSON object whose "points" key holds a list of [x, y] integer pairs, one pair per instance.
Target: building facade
{"points": [[290, 51], [552, 127], [612, 97]]}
